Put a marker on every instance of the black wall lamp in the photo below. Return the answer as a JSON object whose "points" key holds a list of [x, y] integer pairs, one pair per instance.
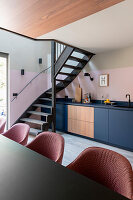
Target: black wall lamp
{"points": [[88, 74]]}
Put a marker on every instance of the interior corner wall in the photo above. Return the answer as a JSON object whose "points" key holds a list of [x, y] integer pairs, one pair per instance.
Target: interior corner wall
{"points": [[24, 54], [118, 64]]}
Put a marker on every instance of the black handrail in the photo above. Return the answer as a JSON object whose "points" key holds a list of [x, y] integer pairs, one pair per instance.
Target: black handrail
{"points": [[29, 83]]}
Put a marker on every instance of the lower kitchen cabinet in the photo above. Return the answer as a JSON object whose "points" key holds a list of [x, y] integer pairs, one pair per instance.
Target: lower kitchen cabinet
{"points": [[81, 128], [121, 128], [81, 120], [112, 126], [101, 124], [61, 117]]}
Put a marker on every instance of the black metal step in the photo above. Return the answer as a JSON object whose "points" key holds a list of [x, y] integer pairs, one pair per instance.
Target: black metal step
{"points": [[34, 121], [38, 113], [60, 87], [45, 99], [48, 93], [76, 59], [72, 67], [64, 81], [42, 106], [34, 131], [67, 74], [87, 53]]}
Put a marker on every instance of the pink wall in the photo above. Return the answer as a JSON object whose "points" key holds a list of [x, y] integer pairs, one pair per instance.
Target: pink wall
{"points": [[120, 83], [34, 90]]}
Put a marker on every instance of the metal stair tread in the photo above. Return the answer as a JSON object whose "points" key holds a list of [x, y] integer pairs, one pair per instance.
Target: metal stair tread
{"points": [[76, 59], [72, 67], [63, 80], [59, 87], [38, 113], [34, 131], [67, 74], [87, 53], [41, 105], [46, 99], [34, 121]]}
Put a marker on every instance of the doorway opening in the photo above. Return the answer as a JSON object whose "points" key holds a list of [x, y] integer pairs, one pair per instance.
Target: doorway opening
{"points": [[4, 86]]}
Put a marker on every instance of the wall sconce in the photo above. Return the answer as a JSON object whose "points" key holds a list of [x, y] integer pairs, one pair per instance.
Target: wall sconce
{"points": [[40, 60], [22, 71], [88, 74]]}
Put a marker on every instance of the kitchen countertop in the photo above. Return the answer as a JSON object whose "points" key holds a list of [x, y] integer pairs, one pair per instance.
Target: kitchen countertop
{"points": [[96, 105]]}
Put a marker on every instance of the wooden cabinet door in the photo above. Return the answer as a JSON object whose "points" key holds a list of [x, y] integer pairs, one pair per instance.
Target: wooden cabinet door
{"points": [[81, 120], [89, 129], [81, 113], [89, 114], [85, 113], [81, 128], [72, 112], [72, 125], [85, 129]]}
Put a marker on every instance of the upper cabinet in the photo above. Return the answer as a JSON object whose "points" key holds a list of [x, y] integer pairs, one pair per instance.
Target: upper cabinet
{"points": [[81, 120]]}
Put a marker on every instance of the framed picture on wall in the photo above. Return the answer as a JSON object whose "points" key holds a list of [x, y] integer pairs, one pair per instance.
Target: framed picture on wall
{"points": [[104, 80]]}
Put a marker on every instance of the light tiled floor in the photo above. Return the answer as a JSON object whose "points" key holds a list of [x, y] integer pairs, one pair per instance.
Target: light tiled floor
{"points": [[74, 145]]}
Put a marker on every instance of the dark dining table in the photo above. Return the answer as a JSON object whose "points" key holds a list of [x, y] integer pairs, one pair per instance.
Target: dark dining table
{"points": [[27, 175]]}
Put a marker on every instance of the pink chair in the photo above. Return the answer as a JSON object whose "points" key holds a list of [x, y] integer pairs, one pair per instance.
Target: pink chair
{"points": [[107, 168], [2, 124], [19, 133], [50, 145]]}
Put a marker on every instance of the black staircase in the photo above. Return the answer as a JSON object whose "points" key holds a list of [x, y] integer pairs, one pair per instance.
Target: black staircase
{"points": [[62, 74]]}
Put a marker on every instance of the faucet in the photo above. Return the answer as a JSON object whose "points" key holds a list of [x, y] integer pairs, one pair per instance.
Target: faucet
{"points": [[128, 95]]}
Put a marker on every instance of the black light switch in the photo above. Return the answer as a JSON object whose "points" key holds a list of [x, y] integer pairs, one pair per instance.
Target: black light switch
{"points": [[22, 71], [15, 94], [40, 60]]}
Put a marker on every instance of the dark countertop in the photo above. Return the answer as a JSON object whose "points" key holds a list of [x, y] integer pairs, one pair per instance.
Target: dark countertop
{"points": [[96, 105]]}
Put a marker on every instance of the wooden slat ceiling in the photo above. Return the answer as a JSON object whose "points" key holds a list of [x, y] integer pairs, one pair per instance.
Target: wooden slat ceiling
{"points": [[37, 17]]}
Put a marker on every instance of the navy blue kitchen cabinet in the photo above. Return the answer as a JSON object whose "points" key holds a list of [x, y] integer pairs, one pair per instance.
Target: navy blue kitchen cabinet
{"points": [[61, 117], [111, 126], [121, 128], [101, 124]]}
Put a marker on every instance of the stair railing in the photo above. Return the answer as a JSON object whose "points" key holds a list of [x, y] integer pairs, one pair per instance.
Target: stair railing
{"points": [[17, 94], [59, 49], [53, 80]]}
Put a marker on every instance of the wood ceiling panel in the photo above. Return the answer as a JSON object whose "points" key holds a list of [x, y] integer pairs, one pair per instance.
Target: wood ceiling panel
{"points": [[37, 17]]}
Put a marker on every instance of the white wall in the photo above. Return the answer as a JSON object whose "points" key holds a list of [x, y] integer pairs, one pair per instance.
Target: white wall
{"points": [[119, 58], [24, 53]]}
